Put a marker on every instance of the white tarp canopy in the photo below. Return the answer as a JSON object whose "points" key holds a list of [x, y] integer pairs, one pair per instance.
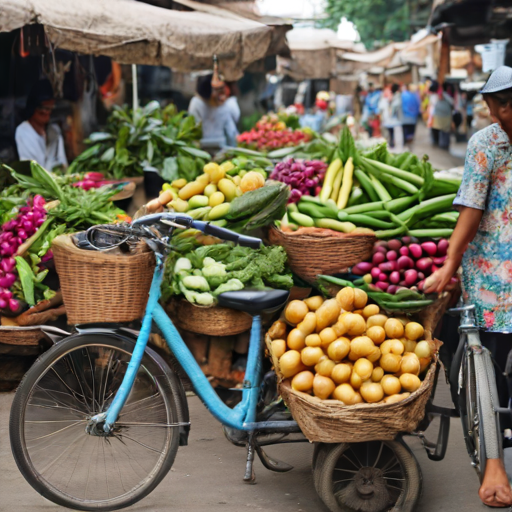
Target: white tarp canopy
{"points": [[133, 32]]}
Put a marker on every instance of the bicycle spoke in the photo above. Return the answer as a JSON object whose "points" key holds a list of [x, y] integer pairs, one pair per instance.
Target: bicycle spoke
{"points": [[378, 455], [56, 432], [357, 458]]}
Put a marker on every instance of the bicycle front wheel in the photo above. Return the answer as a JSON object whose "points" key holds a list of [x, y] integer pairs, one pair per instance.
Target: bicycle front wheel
{"points": [[73, 381]]}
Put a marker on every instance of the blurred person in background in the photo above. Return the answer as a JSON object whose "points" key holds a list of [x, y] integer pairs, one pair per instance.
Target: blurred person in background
{"points": [[395, 120], [410, 112], [370, 109], [36, 138], [442, 119]]}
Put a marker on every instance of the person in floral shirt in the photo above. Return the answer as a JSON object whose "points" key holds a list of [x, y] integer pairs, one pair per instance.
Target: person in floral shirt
{"points": [[482, 242]]}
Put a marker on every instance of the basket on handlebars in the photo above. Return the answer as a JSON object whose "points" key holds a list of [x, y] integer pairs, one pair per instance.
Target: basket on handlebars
{"points": [[102, 287]]}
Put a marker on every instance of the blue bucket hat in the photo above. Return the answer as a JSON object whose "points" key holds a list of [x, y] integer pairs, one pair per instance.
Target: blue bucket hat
{"points": [[500, 80]]}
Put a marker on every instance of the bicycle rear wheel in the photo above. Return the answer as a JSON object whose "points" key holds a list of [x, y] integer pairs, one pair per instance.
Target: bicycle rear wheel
{"points": [[74, 380]]}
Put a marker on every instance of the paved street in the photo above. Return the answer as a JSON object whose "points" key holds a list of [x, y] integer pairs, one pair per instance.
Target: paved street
{"points": [[208, 475]]}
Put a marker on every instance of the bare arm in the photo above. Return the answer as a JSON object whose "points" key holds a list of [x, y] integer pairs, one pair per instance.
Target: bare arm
{"points": [[464, 232]]}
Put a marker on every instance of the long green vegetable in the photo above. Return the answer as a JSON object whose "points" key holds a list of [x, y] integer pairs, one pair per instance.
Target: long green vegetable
{"points": [[366, 184], [418, 181]]}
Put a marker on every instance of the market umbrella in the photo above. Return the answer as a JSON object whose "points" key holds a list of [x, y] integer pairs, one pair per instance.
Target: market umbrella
{"points": [[132, 32]]}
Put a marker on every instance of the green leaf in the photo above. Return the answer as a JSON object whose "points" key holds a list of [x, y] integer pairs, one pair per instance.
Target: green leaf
{"points": [[108, 155], [198, 153], [187, 168], [99, 137], [170, 169], [151, 108], [150, 151], [27, 279]]}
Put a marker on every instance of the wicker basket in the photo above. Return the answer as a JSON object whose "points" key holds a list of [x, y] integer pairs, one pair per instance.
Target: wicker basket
{"points": [[321, 251], [101, 287], [212, 321], [20, 336]]}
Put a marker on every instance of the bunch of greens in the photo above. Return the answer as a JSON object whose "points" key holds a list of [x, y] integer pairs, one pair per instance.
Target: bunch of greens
{"points": [[76, 208], [151, 138], [204, 273]]}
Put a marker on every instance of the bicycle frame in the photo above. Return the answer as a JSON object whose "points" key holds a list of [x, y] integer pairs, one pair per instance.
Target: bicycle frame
{"points": [[241, 417]]}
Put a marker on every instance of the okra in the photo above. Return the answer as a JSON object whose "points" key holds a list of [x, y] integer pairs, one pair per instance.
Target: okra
{"points": [[363, 208], [391, 233], [410, 304], [431, 233], [366, 220]]}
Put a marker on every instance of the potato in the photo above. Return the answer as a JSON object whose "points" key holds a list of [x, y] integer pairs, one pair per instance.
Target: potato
{"points": [[424, 363], [391, 385], [410, 346], [377, 334], [393, 347], [355, 324], [290, 363], [339, 328], [327, 335], [394, 328], [327, 314], [423, 349], [313, 303], [371, 310], [410, 382], [339, 349], [325, 366], [390, 362], [352, 356], [295, 311], [372, 392], [376, 320], [323, 387], [278, 348], [414, 331], [345, 393], [303, 381], [308, 324], [311, 355], [393, 399], [363, 368], [341, 373], [355, 380], [360, 298], [277, 330], [374, 355], [377, 374], [313, 340], [362, 346], [346, 298], [296, 340], [410, 364]]}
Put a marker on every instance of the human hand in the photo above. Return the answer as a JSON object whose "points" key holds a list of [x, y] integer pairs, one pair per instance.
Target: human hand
{"points": [[441, 279]]}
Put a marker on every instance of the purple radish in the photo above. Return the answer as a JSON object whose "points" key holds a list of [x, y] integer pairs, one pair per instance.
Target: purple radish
{"points": [[411, 276], [383, 277], [14, 305], [381, 243], [404, 262], [391, 255], [439, 260], [8, 264], [403, 284], [424, 264], [378, 258], [430, 248], [442, 247], [406, 240], [381, 249], [404, 251], [381, 285], [375, 272], [421, 275], [394, 245], [392, 289], [394, 277], [3, 303], [364, 266], [388, 266], [416, 251]]}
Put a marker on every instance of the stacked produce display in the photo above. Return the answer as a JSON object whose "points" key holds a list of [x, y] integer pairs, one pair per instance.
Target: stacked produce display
{"points": [[345, 349]]}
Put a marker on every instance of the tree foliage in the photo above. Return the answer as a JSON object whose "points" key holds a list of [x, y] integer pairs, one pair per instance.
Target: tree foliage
{"points": [[377, 21]]}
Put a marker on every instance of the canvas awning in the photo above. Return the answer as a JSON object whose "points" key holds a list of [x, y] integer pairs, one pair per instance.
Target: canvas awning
{"points": [[132, 32]]}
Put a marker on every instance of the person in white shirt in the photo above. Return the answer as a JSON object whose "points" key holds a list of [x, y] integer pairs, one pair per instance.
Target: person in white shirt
{"points": [[37, 139]]}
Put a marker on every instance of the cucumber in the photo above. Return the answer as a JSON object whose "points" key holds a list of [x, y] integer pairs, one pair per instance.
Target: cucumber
{"points": [[253, 201]]}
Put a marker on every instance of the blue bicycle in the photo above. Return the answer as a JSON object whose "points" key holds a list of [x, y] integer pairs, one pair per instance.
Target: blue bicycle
{"points": [[97, 421]]}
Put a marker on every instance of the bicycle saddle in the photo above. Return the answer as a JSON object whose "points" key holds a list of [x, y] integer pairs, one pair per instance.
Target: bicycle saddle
{"points": [[254, 301]]}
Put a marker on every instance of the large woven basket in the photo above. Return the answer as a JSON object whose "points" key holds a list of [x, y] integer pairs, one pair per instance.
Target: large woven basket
{"points": [[212, 321], [321, 251], [20, 335], [102, 287]]}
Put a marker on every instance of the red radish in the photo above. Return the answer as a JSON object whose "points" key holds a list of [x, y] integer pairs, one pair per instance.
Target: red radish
{"points": [[421, 276], [424, 264], [382, 286], [416, 251], [442, 247], [394, 245], [395, 277], [411, 276], [392, 289], [381, 243], [362, 268], [435, 268], [382, 250], [421, 285], [3, 303], [357, 271], [391, 255], [383, 277], [404, 251], [388, 266], [404, 262], [403, 284], [439, 260], [430, 248], [375, 272], [406, 240], [378, 258]]}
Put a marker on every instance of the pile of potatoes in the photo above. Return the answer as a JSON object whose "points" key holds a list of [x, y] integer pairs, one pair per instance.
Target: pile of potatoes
{"points": [[346, 349]]}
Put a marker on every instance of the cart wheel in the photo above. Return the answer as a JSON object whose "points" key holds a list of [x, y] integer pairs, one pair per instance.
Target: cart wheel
{"points": [[367, 477]]}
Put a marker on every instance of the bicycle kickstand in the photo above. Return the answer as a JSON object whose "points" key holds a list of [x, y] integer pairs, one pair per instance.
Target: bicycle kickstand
{"points": [[250, 477]]}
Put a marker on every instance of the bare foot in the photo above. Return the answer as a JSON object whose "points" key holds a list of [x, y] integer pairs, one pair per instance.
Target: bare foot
{"points": [[495, 490]]}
